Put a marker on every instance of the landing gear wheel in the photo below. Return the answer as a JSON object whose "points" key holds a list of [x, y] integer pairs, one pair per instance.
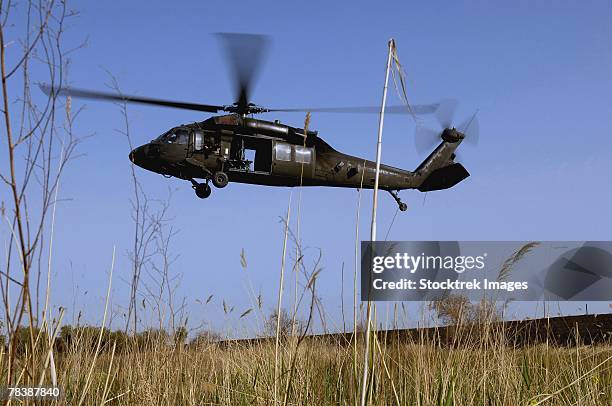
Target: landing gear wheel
{"points": [[402, 206], [203, 190], [220, 179]]}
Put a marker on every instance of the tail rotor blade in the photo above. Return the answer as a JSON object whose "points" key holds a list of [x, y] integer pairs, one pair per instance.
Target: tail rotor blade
{"points": [[471, 129], [446, 112], [425, 139]]}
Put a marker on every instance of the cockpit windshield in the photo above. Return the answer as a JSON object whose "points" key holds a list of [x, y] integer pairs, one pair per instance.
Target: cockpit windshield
{"points": [[174, 136]]}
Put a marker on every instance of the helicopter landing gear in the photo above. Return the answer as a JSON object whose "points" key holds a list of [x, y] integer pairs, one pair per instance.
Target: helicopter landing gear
{"points": [[220, 179], [402, 206], [202, 190]]}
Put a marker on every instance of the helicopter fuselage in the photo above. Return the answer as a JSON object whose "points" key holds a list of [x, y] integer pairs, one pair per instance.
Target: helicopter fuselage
{"points": [[268, 153]]}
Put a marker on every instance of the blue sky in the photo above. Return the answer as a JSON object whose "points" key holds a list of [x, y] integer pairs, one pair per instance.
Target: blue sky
{"points": [[538, 72]]}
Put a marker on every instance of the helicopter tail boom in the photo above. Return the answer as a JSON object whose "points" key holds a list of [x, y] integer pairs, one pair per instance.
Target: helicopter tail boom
{"points": [[439, 170]]}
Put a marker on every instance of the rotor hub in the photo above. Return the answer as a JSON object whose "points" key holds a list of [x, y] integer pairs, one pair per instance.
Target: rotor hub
{"points": [[243, 110], [452, 135]]}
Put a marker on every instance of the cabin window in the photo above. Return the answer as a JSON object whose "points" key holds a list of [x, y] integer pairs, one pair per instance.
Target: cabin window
{"points": [[303, 155], [282, 152], [198, 140]]}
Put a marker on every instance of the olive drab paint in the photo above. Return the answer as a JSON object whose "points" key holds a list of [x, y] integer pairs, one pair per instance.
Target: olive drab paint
{"points": [[268, 153]]}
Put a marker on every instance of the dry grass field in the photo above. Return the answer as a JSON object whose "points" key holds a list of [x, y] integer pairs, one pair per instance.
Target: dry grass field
{"points": [[324, 375], [475, 368]]}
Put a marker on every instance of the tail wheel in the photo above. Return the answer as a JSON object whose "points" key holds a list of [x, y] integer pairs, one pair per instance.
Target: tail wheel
{"points": [[203, 190], [220, 179]]}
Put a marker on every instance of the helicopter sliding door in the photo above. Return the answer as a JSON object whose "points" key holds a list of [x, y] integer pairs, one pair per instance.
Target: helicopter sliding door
{"points": [[290, 160]]}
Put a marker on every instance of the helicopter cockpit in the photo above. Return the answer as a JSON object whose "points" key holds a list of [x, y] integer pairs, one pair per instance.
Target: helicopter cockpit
{"points": [[174, 136]]}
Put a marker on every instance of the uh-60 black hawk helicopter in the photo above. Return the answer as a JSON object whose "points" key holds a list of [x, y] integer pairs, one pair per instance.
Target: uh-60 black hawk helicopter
{"points": [[239, 148]]}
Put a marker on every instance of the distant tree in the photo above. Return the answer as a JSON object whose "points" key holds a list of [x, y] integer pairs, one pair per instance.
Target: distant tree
{"points": [[288, 325], [85, 338], [151, 338], [205, 337], [21, 339], [452, 310], [458, 310], [485, 311]]}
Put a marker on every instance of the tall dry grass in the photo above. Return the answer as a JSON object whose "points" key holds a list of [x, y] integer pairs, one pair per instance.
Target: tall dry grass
{"points": [[478, 369]]}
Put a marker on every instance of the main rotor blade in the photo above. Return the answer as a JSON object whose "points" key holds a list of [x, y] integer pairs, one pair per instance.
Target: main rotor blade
{"points": [[107, 96], [417, 109], [245, 54]]}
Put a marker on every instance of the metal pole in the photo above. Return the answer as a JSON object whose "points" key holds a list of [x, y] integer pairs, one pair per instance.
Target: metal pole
{"points": [[364, 382]]}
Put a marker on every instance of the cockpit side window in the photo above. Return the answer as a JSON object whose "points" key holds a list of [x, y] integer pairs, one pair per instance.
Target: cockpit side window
{"points": [[162, 137], [198, 140], [179, 136]]}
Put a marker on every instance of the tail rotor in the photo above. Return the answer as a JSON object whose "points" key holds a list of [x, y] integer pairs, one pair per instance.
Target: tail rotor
{"points": [[427, 138]]}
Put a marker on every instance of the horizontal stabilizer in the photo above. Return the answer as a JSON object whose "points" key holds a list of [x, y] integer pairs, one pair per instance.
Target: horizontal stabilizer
{"points": [[444, 178]]}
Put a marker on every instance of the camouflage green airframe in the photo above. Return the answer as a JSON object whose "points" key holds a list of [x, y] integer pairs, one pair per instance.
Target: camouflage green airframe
{"points": [[236, 148]]}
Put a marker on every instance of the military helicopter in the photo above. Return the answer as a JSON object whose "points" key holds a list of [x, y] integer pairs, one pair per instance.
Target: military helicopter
{"points": [[239, 148]]}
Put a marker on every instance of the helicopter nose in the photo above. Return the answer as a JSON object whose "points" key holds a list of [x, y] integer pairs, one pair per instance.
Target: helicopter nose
{"points": [[138, 155]]}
